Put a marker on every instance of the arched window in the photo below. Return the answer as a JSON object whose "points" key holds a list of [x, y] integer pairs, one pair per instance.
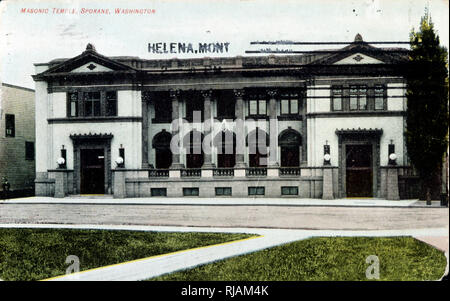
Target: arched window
{"points": [[163, 154], [257, 142], [225, 142], [192, 142], [290, 141]]}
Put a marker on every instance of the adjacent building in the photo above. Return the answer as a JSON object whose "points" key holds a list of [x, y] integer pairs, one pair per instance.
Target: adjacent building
{"points": [[326, 125], [17, 158]]}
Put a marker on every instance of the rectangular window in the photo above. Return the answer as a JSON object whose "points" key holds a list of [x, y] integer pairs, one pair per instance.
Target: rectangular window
{"points": [[362, 95], [190, 191], [262, 110], [289, 103], [289, 190], [363, 103], [226, 104], [111, 103], [257, 190], [253, 107], [194, 105], [163, 111], [29, 150], [73, 104], [91, 104], [221, 191], [158, 191], [294, 106], [257, 105], [10, 125], [379, 98], [337, 98], [285, 106], [358, 98]]}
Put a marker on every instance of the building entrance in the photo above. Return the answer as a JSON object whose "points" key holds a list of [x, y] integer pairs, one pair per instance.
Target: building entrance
{"points": [[359, 170], [92, 171]]}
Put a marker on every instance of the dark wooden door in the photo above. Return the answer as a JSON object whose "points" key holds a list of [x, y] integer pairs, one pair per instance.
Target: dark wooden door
{"points": [[92, 171], [290, 156], [359, 170]]}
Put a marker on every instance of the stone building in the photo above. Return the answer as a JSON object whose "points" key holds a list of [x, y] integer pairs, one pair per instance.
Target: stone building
{"points": [[17, 160], [326, 125]]}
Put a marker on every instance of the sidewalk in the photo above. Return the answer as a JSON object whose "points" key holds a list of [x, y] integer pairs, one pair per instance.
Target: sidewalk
{"points": [[109, 200], [146, 268]]}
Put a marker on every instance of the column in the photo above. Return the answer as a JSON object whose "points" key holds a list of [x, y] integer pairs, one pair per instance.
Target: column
{"points": [[176, 124], [272, 166], [207, 128], [240, 133]]}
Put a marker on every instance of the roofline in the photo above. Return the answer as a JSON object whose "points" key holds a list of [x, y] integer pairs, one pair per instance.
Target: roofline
{"points": [[18, 87]]}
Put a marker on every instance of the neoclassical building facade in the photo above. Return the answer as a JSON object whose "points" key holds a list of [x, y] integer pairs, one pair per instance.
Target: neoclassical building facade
{"points": [[319, 125]]}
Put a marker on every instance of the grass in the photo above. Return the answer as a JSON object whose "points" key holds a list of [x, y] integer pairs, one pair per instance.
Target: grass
{"points": [[330, 259], [35, 254]]}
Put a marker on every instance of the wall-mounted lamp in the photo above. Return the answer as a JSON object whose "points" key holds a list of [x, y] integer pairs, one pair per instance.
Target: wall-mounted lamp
{"points": [[326, 154], [63, 158], [119, 162], [392, 155], [61, 162]]}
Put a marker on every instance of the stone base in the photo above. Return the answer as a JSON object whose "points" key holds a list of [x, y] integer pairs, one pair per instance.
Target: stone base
{"points": [[239, 173], [206, 173], [60, 184], [273, 172], [327, 190], [392, 184], [119, 184], [174, 173]]}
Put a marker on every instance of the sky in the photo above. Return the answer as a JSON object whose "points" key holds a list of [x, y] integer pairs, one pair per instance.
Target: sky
{"points": [[29, 38]]}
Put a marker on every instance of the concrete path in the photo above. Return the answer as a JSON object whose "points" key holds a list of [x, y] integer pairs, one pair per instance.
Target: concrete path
{"points": [[162, 264], [106, 200]]}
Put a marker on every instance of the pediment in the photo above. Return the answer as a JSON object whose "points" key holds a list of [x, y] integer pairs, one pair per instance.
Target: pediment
{"points": [[88, 61], [358, 59], [92, 67]]}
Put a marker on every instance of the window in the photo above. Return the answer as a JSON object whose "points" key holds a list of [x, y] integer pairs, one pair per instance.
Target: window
{"points": [[10, 125], [73, 104], [289, 190], [190, 191], [111, 103], [92, 104], [379, 97], [221, 191], [337, 98], [158, 191], [163, 111], [358, 98], [257, 105], [225, 105], [258, 190], [194, 103], [289, 104], [29, 150]]}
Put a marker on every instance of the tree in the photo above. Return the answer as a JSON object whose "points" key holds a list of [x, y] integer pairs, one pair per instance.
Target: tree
{"points": [[427, 100]]}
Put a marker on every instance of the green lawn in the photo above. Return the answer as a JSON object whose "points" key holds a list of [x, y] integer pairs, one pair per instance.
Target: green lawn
{"points": [[34, 254], [335, 258]]}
